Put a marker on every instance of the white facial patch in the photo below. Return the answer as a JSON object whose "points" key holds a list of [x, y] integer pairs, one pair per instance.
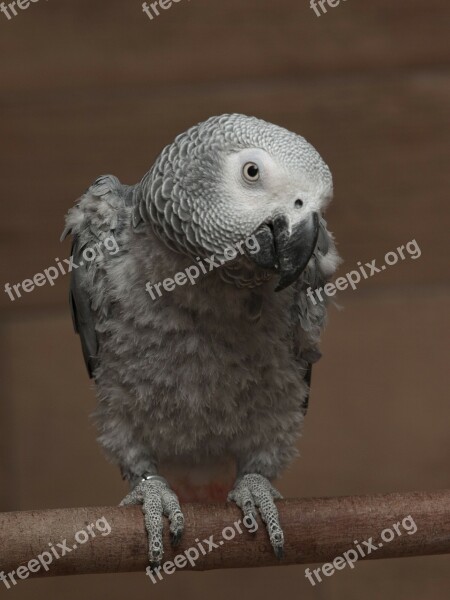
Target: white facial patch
{"points": [[275, 191]]}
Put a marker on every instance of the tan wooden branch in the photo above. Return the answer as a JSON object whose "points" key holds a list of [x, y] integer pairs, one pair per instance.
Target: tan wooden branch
{"points": [[316, 530]]}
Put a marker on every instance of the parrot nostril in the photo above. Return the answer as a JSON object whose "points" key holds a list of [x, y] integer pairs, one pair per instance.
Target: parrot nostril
{"points": [[298, 203]]}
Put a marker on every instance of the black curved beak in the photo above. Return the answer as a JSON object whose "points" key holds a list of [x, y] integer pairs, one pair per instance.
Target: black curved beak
{"points": [[284, 252]]}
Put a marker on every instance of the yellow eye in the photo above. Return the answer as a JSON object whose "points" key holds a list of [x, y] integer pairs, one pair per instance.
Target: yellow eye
{"points": [[251, 171]]}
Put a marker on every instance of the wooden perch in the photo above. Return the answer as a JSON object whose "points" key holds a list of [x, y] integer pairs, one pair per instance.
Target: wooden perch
{"points": [[316, 530]]}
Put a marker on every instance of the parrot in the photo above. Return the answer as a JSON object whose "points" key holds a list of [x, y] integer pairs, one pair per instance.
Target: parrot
{"points": [[202, 390]]}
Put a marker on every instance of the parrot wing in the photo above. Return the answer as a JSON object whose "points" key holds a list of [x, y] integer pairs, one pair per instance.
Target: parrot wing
{"points": [[83, 317], [309, 317], [96, 217]]}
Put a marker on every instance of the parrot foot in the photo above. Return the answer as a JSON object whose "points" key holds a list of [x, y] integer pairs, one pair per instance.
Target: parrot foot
{"points": [[253, 491], [157, 499]]}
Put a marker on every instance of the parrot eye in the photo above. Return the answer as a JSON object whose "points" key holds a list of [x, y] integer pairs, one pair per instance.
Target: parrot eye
{"points": [[251, 171]]}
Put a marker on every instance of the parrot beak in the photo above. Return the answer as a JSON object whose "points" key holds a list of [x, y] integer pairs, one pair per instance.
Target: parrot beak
{"points": [[284, 251]]}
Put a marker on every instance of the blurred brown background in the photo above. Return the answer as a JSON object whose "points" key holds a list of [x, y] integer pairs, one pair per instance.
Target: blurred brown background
{"points": [[96, 87]]}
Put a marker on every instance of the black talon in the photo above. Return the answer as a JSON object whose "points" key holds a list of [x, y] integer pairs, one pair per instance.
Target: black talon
{"points": [[279, 552], [175, 538]]}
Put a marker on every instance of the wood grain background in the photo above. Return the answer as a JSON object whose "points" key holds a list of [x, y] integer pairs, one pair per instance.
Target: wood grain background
{"points": [[90, 88]]}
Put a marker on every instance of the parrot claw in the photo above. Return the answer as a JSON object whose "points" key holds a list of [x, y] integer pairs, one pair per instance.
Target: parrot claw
{"points": [[157, 499], [175, 538], [252, 492]]}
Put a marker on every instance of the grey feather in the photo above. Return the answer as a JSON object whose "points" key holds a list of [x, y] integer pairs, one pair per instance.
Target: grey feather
{"points": [[82, 315], [217, 369]]}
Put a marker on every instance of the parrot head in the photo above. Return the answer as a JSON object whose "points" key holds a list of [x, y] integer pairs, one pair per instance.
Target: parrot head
{"points": [[233, 177]]}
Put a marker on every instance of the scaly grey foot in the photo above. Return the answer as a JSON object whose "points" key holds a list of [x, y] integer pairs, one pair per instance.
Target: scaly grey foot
{"points": [[252, 492], [157, 499]]}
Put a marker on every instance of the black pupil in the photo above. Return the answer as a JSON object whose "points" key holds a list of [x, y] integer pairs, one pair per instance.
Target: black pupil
{"points": [[252, 171]]}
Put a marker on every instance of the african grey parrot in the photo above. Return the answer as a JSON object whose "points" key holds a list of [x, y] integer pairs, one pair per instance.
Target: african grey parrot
{"points": [[208, 384]]}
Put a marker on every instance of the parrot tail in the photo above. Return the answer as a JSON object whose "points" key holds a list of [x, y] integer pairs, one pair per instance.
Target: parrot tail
{"points": [[209, 482]]}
